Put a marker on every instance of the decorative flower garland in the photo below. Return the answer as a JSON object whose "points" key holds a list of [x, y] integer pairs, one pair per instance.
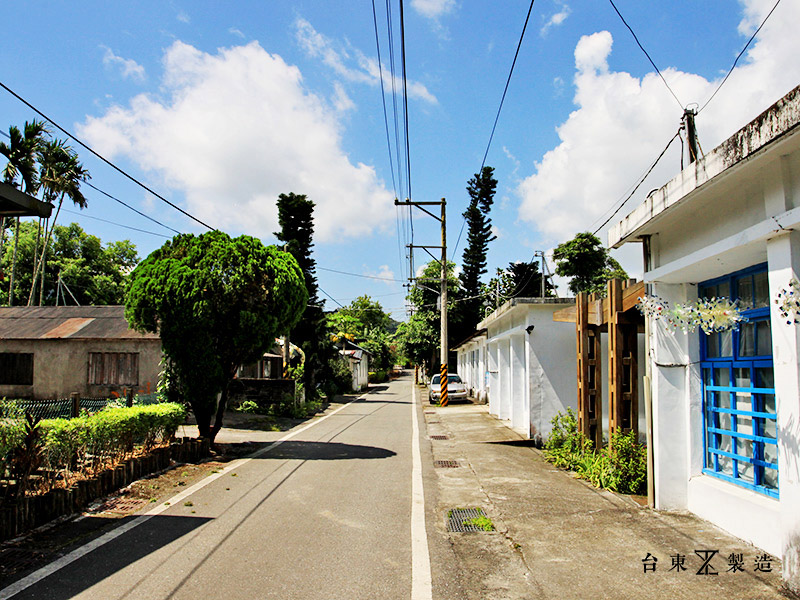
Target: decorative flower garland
{"points": [[788, 302], [711, 316]]}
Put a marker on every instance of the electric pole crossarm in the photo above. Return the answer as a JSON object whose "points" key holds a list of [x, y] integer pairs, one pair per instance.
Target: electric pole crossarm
{"points": [[419, 206]]}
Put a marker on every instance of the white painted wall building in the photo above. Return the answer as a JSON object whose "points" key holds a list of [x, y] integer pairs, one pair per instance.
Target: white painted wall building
{"points": [[531, 364], [472, 366], [726, 406]]}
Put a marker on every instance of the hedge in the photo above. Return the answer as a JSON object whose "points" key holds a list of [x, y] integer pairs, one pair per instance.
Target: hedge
{"points": [[55, 450]]}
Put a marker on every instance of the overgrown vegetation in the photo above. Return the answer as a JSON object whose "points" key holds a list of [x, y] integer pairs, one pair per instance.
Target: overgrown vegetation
{"points": [[37, 456], [620, 468]]}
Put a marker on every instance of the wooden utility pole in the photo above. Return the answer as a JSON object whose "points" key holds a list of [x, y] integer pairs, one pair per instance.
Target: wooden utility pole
{"points": [[691, 133]]}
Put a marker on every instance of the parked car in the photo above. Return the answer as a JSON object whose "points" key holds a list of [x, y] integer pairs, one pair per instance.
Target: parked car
{"points": [[456, 390]]}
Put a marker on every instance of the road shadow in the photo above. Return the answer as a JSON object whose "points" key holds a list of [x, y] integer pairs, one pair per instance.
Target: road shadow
{"points": [[326, 451], [520, 443], [106, 560]]}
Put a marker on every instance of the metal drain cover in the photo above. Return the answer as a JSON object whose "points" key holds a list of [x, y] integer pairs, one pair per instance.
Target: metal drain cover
{"points": [[123, 505], [439, 437], [458, 519], [446, 464]]}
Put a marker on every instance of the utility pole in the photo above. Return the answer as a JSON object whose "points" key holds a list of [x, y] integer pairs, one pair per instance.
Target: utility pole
{"points": [[691, 133], [443, 349]]}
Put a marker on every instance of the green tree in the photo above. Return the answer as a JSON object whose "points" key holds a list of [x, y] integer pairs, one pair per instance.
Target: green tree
{"points": [[481, 189], [217, 302], [95, 273], [518, 280], [588, 263], [364, 322], [417, 336], [311, 334]]}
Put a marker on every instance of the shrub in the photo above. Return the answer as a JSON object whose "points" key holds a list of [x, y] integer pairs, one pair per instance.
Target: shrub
{"points": [[620, 468]]}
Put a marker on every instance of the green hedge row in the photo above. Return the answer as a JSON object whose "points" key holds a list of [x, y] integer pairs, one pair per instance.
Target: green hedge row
{"points": [[55, 449]]}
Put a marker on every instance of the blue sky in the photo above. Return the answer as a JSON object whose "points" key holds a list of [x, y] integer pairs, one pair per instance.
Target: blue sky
{"points": [[221, 107]]}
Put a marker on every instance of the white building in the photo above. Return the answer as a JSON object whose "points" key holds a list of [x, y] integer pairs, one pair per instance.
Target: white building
{"points": [[472, 357], [529, 363], [726, 406], [358, 360]]}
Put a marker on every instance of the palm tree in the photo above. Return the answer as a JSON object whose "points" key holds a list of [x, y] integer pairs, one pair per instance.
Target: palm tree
{"points": [[21, 152], [60, 176]]}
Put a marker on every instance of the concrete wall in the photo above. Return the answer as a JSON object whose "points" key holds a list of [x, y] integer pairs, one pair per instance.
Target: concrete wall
{"points": [[60, 367], [742, 217], [532, 366]]}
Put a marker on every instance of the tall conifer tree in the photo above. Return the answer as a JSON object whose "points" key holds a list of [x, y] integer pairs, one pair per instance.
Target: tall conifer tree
{"points": [[296, 219], [481, 189]]}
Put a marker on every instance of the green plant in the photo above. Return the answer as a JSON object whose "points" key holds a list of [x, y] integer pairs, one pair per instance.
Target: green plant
{"points": [[249, 406], [483, 523]]}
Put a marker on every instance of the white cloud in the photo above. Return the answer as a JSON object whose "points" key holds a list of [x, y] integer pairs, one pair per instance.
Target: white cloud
{"points": [[341, 101], [433, 9], [236, 32], [384, 272], [128, 68], [621, 123], [234, 130], [183, 17], [557, 18], [355, 67]]}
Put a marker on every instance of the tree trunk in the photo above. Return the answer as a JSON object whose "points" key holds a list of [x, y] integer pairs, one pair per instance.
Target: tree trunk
{"points": [[46, 242], [13, 266]]}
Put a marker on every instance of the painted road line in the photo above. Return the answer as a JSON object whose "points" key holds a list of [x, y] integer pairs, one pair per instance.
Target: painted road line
{"points": [[421, 588], [37, 576]]}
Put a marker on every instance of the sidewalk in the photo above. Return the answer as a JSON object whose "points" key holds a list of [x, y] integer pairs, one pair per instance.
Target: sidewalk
{"points": [[558, 537]]}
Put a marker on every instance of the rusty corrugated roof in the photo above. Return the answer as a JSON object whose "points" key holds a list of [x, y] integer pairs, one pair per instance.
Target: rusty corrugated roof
{"points": [[66, 322]]}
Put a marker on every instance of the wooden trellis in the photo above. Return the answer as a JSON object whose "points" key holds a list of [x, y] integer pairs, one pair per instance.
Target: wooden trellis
{"points": [[617, 316]]}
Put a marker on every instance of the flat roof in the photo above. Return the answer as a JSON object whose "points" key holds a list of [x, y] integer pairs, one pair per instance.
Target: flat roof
{"points": [[14, 203], [778, 124]]}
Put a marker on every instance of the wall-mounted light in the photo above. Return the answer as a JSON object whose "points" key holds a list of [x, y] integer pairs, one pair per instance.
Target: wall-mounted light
{"points": [[529, 328]]}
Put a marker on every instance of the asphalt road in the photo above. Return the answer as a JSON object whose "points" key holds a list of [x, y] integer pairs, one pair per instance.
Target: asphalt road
{"points": [[325, 514]]}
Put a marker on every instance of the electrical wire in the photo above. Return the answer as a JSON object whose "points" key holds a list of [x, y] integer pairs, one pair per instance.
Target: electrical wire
{"points": [[101, 157], [73, 212], [497, 116], [329, 296], [383, 96], [405, 99], [752, 37], [97, 189], [638, 43], [360, 275], [641, 181]]}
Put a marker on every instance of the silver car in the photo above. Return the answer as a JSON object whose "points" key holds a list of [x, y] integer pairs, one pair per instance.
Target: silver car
{"points": [[456, 390]]}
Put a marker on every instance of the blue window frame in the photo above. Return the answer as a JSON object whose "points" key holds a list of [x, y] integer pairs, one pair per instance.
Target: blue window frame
{"points": [[739, 410]]}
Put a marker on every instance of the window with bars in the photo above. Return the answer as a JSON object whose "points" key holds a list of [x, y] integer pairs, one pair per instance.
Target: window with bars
{"points": [[739, 409]]}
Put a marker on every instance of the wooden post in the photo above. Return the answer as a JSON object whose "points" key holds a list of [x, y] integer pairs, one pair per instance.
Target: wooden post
{"points": [[582, 339], [129, 398], [590, 383], [76, 404], [616, 344]]}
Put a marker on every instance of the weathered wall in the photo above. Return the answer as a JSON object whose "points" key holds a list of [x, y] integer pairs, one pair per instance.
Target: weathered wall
{"points": [[60, 367]]}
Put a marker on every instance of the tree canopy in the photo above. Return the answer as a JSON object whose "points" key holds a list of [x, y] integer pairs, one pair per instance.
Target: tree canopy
{"points": [[365, 323], [217, 302], [518, 280], [94, 272], [588, 263]]}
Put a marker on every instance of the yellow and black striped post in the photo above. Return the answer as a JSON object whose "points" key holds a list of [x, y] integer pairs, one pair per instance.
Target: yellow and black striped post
{"points": [[443, 382]]}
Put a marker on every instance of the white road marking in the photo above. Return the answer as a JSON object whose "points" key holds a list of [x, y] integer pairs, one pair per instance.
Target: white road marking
{"points": [[421, 588], [37, 576]]}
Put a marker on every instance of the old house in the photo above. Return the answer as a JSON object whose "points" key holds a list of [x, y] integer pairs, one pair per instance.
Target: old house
{"points": [[726, 405], [357, 359], [51, 351]]}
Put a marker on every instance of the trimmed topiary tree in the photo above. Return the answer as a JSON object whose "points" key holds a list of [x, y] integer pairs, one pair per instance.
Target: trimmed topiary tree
{"points": [[217, 302]]}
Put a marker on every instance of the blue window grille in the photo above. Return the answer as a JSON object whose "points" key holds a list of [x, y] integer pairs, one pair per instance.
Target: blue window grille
{"points": [[739, 410]]}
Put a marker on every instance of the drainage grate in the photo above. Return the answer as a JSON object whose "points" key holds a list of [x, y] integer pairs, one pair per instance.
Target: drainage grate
{"points": [[446, 464], [439, 437], [458, 520], [123, 505], [13, 560]]}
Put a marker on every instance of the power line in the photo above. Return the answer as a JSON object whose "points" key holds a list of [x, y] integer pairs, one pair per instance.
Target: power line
{"points": [[752, 37], [72, 212], [638, 43], [131, 208], [329, 296], [359, 275], [405, 98], [102, 158], [641, 181], [383, 96], [497, 116]]}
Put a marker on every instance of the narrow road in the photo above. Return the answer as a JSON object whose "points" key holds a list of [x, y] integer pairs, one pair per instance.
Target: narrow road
{"points": [[335, 511]]}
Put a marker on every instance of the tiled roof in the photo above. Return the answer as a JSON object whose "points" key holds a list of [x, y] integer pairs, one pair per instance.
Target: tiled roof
{"points": [[66, 322]]}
